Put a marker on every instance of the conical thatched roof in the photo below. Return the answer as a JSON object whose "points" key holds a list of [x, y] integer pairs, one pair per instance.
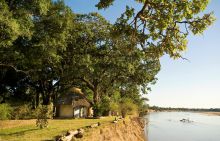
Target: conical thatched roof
{"points": [[74, 97], [75, 90]]}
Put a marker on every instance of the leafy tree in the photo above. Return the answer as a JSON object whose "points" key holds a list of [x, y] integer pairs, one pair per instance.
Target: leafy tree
{"points": [[162, 27], [43, 30], [45, 49], [101, 61]]}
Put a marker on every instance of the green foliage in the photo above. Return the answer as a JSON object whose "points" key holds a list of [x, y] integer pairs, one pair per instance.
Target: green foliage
{"points": [[16, 19], [23, 112], [9, 28], [105, 105], [50, 48], [114, 103], [5, 111], [162, 27], [43, 113], [43, 30], [127, 106], [143, 110], [102, 62], [97, 109], [104, 4], [114, 107]]}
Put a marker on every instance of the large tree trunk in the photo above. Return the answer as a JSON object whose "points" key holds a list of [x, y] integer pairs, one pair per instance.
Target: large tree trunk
{"points": [[46, 99], [96, 96], [96, 100], [37, 100], [54, 98]]}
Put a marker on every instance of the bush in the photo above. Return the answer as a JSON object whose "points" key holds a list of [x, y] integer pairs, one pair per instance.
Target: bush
{"points": [[43, 113], [114, 108], [23, 112], [143, 110], [5, 111], [105, 106], [127, 106], [97, 110]]}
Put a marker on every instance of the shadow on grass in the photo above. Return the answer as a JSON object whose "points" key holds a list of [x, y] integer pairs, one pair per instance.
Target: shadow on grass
{"points": [[19, 133]]}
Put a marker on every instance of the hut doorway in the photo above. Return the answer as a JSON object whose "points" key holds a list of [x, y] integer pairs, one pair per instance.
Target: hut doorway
{"points": [[76, 112], [79, 112]]}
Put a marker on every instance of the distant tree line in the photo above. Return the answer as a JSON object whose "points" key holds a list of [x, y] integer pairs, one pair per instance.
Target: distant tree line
{"points": [[156, 108]]}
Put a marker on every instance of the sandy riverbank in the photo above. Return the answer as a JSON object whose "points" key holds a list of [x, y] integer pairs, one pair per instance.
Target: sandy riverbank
{"points": [[212, 113]]}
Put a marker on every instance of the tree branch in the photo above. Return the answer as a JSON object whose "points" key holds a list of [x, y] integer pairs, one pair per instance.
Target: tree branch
{"points": [[89, 84]]}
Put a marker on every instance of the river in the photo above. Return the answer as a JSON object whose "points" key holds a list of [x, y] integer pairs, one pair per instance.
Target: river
{"points": [[166, 126]]}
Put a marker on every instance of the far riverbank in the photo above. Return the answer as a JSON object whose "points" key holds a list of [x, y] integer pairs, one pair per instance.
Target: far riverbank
{"points": [[212, 113]]}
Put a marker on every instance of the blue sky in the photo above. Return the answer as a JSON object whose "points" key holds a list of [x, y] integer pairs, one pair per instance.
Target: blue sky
{"points": [[194, 83]]}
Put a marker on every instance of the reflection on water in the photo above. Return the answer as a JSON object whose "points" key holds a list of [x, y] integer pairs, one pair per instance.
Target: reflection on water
{"points": [[166, 126]]}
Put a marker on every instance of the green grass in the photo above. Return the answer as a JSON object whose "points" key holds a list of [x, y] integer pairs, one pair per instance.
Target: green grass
{"points": [[56, 127]]}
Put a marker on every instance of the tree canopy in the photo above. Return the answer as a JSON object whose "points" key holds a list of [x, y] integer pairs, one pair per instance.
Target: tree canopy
{"points": [[163, 26], [46, 49]]}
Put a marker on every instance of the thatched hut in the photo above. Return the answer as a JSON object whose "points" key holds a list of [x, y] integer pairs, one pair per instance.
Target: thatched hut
{"points": [[74, 104]]}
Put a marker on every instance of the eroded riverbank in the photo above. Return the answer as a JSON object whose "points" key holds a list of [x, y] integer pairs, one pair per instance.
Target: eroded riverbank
{"points": [[127, 130]]}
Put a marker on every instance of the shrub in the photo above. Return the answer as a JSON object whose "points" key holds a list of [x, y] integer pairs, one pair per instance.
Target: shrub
{"points": [[23, 112], [127, 106], [5, 111], [114, 108], [43, 113], [97, 108], [103, 107], [143, 110]]}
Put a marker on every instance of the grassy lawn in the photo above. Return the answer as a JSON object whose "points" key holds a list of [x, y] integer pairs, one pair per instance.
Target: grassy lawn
{"points": [[25, 130]]}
